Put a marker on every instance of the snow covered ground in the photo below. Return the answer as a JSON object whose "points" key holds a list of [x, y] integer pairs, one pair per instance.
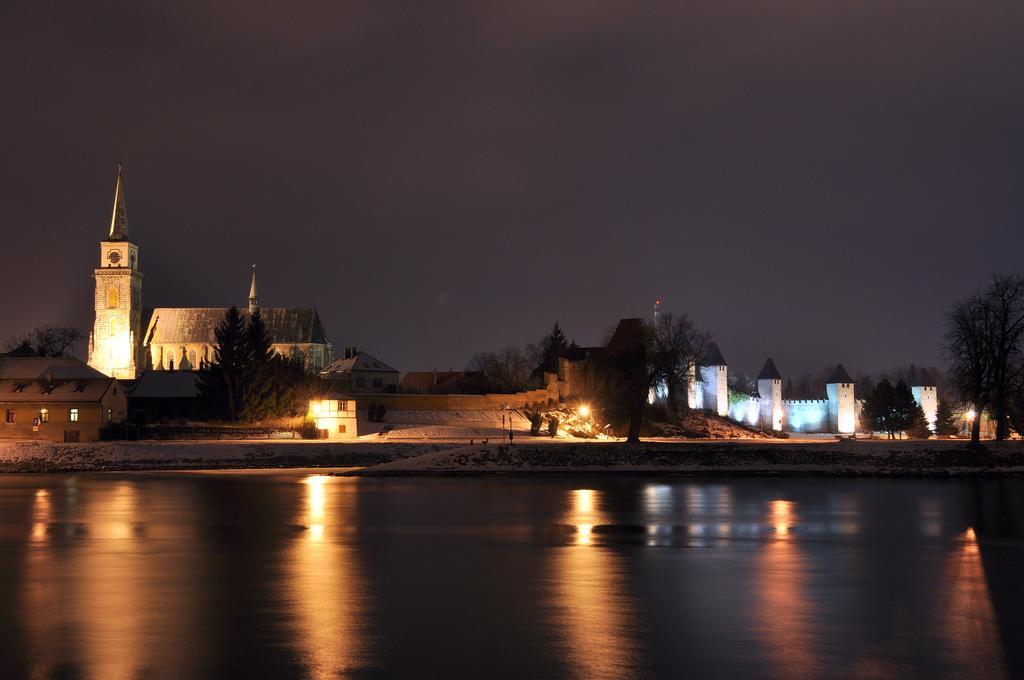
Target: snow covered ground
{"points": [[444, 425], [531, 455], [749, 457], [29, 456]]}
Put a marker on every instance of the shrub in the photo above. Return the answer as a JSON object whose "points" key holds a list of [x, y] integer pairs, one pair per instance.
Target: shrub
{"points": [[308, 429], [375, 412], [536, 422], [553, 426]]}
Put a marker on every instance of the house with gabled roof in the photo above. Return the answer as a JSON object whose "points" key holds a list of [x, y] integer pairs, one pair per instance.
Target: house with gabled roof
{"points": [[56, 399], [358, 372]]}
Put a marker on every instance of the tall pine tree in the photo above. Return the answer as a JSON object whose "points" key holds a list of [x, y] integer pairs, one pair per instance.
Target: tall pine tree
{"points": [[945, 422], [890, 409], [919, 428], [220, 383], [555, 345], [258, 385]]}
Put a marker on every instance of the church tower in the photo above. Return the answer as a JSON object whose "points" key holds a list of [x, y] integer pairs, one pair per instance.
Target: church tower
{"points": [[116, 331], [254, 300]]}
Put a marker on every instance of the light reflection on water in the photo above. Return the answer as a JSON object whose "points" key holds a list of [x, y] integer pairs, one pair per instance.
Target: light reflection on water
{"points": [[595, 608], [292, 574], [785, 612], [323, 583], [94, 591]]}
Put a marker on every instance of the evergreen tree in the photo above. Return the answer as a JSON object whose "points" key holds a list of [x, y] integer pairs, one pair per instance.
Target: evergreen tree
{"points": [[877, 403], [220, 383], [275, 386], [246, 379], [919, 428], [904, 408], [554, 347], [945, 423], [258, 346], [259, 386], [890, 409]]}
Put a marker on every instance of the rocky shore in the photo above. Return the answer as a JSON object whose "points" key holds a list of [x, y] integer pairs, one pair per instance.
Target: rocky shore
{"points": [[27, 456], [736, 458], [532, 457]]}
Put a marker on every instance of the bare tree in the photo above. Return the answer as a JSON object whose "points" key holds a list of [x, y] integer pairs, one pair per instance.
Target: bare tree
{"points": [[674, 347], [1004, 306], [508, 370], [968, 328], [985, 342], [48, 341]]}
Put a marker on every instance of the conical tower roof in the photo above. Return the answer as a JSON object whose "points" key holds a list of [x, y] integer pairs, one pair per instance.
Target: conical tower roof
{"points": [[254, 301], [119, 218], [713, 357], [839, 375], [252, 285], [769, 372]]}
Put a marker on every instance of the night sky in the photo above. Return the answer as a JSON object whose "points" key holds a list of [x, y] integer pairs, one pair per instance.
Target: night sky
{"points": [[815, 181]]}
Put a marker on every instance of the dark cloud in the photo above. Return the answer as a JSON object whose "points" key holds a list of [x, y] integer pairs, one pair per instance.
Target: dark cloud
{"points": [[814, 181]]}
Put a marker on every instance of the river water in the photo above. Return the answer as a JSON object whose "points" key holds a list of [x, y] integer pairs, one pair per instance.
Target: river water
{"points": [[297, 574]]}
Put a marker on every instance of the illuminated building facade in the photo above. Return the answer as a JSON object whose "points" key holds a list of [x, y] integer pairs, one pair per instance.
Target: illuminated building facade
{"points": [[126, 340], [335, 416], [113, 348], [838, 413]]}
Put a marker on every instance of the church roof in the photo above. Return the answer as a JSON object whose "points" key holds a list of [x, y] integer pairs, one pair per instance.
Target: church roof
{"points": [[184, 325], [839, 375], [360, 361], [769, 372], [713, 357], [119, 218]]}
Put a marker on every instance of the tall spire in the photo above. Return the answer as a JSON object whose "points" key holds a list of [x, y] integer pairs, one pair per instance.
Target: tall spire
{"points": [[253, 299], [119, 219]]}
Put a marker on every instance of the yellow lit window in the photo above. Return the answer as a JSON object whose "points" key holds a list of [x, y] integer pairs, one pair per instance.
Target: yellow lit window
{"points": [[73, 415], [44, 415]]}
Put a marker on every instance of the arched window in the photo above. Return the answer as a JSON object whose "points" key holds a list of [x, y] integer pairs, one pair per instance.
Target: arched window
{"points": [[112, 297], [113, 327]]}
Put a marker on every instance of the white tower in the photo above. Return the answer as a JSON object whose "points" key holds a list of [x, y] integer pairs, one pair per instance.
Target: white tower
{"points": [[714, 378], [842, 403], [927, 398], [769, 389], [116, 331]]}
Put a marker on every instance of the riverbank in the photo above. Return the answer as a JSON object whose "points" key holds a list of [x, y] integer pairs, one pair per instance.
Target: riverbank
{"points": [[735, 458], [28, 456], [533, 457]]}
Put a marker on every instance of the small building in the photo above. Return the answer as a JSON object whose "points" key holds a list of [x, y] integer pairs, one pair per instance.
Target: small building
{"points": [[335, 416], [57, 399], [160, 395], [360, 373]]}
